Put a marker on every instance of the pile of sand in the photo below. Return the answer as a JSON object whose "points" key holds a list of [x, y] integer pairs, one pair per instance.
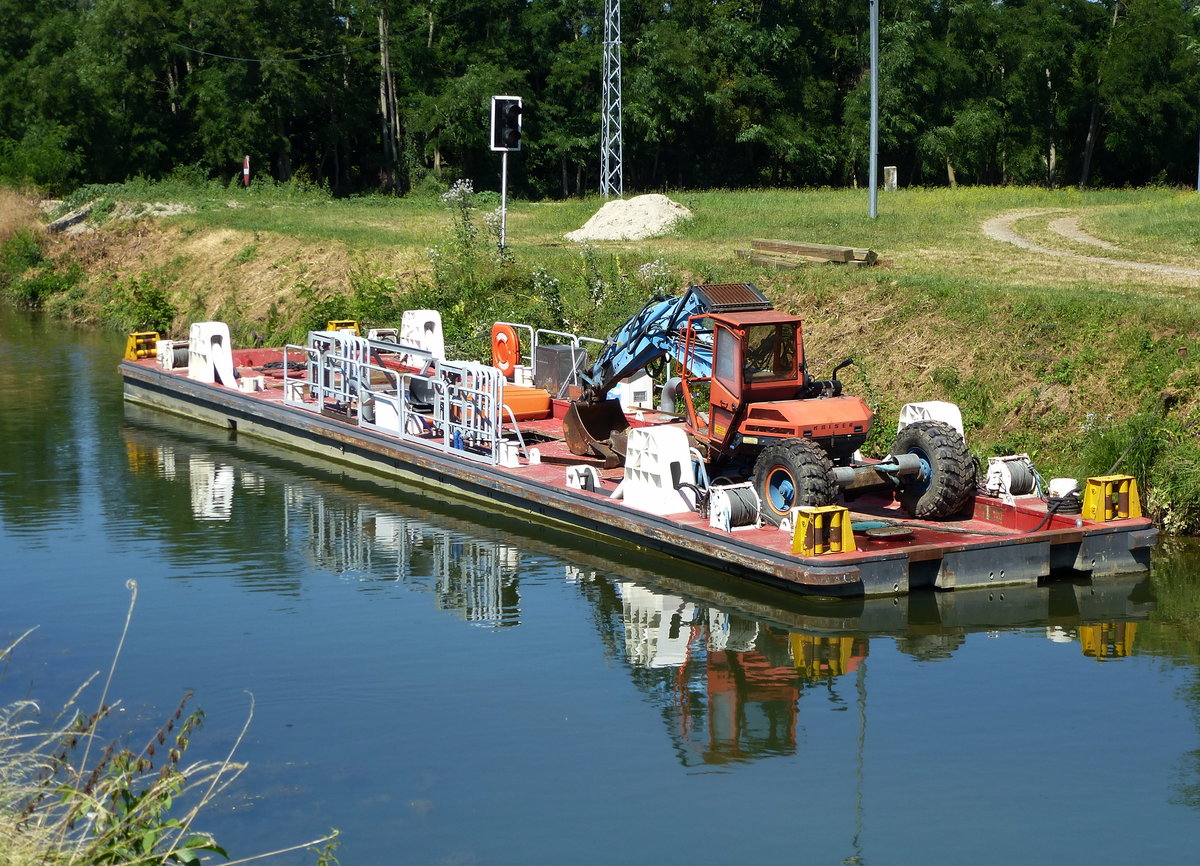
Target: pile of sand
{"points": [[644, 216]]}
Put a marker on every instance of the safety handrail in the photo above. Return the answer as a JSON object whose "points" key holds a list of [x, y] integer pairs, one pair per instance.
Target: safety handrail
{"points": [[546, 332], [516, 429], [466, 412]]}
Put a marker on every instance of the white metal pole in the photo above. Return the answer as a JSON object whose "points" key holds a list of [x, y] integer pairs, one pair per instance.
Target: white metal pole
{"points": [[503, 195], [874, 207]]}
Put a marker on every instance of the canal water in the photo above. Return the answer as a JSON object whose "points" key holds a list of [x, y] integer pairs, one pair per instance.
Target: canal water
{"points": [[448, 687]]}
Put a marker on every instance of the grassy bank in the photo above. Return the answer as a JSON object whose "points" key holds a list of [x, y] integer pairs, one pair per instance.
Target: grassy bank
{"points": [[1083, 363]]}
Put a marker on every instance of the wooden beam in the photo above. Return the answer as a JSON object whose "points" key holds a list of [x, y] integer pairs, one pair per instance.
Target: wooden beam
{"points": [[798, 248], [784, 255], [785, 263]]}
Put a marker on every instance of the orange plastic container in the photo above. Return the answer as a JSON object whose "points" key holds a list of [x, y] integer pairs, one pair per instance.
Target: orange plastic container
{"points": [[527, 404]]}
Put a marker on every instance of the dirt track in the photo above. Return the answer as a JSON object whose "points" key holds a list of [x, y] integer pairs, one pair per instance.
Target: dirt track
{"points": [[1000, 228]]}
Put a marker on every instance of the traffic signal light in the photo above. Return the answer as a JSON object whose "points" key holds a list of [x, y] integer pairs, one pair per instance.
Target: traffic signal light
{"points": [[506, 123]]}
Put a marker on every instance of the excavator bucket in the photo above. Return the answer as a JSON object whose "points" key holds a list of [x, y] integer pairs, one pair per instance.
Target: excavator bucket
{"points": [[597, 429]]}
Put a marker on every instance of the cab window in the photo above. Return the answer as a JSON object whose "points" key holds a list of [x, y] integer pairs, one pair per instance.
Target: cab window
{"points": [[725, 360], [770, 353]]}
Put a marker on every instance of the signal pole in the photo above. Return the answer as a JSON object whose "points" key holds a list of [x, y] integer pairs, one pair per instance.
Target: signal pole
{"points": [[611, 170], [506, 115], [873, 209]]}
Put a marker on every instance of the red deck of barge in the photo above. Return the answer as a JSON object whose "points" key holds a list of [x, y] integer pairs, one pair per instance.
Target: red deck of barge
{"points": [[997, 544]]}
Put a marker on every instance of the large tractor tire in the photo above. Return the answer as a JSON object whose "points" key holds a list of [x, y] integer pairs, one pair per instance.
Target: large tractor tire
{"points": [[950, 473], [794, 472]]}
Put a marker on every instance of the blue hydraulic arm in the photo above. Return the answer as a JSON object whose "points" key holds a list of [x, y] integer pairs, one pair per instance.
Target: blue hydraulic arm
{"points": [[655, 332], [596, 425]]}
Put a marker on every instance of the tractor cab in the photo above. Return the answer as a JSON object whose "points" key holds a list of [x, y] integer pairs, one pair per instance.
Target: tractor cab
{"points": [[759, 386]]}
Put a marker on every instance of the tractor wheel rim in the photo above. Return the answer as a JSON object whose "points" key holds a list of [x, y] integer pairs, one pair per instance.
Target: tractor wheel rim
{"points": [[920, 485], [781, 490]]}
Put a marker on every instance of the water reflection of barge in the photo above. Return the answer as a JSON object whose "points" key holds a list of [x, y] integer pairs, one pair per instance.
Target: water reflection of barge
{"points": [[728, 662], [450, 426]]}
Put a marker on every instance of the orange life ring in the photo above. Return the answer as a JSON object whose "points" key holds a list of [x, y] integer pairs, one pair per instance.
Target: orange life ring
{"points": [[506, 349]]}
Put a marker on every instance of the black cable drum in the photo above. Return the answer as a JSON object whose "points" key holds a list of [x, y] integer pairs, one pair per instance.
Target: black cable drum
{"points": [[179, 355], [1022, 478], [743, 504]]}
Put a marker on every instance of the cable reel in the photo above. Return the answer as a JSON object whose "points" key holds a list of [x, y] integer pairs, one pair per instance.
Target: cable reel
{"points": [[1011, 476], [1062, 496], [734, 506]]}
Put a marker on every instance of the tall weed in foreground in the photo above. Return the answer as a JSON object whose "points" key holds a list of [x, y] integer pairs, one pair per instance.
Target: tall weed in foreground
{"points": [[602, 295], [475, 280], [68, 797]]}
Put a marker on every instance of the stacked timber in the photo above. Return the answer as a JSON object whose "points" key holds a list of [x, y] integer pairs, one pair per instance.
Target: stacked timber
{"points": [[793, 254]]}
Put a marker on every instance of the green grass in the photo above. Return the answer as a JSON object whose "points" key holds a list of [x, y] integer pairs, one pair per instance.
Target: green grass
{"points": [[928, 231], [1163, 224], [343, 222]]}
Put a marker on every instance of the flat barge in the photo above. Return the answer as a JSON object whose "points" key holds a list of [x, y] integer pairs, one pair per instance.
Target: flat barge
{"points": [[389, 404]]}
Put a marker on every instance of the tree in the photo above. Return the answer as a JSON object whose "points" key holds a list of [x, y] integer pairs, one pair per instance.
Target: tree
{"points": [[1148, 79]]}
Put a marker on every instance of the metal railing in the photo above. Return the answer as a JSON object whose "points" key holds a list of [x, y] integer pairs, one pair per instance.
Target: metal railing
{"points": [[452, 406], [538, 337]]}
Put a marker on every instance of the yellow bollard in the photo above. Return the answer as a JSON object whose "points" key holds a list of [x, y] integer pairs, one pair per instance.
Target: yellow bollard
{"points": [[140, 344], [817, 531], [1107, 640], [821, 658], [343, 325], [1111, 497]]}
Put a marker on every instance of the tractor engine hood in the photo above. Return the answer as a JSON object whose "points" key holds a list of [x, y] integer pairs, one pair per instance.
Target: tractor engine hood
{"points": [[820, 418]]}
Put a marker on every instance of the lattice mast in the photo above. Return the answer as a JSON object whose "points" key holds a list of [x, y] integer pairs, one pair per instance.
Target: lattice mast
{"points": [[611, 171]]}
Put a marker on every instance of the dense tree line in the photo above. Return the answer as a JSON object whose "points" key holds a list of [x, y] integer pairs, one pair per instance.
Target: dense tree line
{"points": [[386, 93]]}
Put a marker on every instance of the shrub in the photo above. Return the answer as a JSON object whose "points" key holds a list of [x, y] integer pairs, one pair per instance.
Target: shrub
{"points": [[27, 277], [19, 253], [47, 280], [140, 303], [1161, 453]]}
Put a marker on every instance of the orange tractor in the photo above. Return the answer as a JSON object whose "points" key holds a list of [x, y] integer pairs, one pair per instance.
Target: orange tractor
{"points": [[752, 409]]}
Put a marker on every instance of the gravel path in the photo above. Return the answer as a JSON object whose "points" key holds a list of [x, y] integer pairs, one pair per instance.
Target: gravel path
{"points": [[1068, 227], [1000, 228]]}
